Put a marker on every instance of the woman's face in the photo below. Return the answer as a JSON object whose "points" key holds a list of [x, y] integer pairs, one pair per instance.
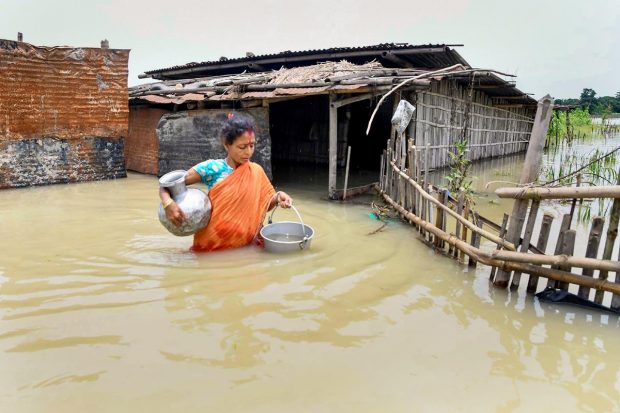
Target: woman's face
{"points": [[242, 148]]}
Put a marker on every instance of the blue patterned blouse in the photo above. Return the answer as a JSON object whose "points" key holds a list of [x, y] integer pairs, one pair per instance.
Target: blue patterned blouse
{"points": [[213, 171]]}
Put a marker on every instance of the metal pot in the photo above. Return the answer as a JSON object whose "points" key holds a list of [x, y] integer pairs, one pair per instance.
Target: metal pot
{"points": [[286, 236], [193, 202]]}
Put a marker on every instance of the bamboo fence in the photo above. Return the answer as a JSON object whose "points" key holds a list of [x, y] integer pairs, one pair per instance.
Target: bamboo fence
{"points": [[448, 113], [404, 184]]}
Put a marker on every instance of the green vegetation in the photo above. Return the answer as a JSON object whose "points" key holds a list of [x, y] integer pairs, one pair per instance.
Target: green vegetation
{"points": [[569, 124]]}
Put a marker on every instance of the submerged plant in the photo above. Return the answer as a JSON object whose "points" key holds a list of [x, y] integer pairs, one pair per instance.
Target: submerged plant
{"points": [[595, 168], [458, 178]]}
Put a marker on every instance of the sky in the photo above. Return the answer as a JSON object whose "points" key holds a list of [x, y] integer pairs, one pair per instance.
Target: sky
{"points": [[555, 47]]}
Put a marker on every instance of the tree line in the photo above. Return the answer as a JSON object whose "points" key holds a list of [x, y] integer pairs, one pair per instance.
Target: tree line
{"points": [[598, 106]]}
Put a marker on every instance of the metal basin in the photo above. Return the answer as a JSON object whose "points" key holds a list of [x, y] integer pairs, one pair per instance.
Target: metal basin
{"points": [[287, 236]]}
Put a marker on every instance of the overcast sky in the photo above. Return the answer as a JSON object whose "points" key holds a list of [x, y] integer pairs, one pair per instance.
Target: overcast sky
{"points": [[556, 47]]}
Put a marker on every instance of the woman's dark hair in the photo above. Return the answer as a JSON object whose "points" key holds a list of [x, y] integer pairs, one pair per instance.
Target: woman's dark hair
{"points": [[236, 125]]}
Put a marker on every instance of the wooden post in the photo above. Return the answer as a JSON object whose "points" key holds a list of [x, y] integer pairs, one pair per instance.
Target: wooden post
{"points": [[568, 247], [531, 168], [333, 146], [615, 298], [525, 245], [543, 238], [502, 234], [464, 235], [612, 233], [475, 239], [559, 244], [346, 175], [594, 240], [439, 219], [459, 210]]}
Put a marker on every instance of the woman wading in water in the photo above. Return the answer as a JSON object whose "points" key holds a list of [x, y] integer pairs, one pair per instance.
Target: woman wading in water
{"points": [[239, 190]]}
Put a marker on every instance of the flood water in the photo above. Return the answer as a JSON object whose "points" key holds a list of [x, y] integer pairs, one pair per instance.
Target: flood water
{"points": [[101, 310]]}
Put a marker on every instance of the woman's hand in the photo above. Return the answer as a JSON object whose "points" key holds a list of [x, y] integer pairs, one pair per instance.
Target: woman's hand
{"points": [[283, 199], [175, 214]]}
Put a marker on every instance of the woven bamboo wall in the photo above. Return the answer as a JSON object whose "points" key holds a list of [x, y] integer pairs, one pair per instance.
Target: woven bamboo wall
{"points": [[448, 112]]}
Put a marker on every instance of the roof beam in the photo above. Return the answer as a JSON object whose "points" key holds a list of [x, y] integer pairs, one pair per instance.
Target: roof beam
{"points": [[391, 57]]}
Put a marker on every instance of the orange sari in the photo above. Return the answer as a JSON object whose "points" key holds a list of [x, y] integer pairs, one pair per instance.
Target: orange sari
{"points": [[239, 204]]}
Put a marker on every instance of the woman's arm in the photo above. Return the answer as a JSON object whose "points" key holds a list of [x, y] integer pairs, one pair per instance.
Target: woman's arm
{"points": [[173, 211], [282, 199]]}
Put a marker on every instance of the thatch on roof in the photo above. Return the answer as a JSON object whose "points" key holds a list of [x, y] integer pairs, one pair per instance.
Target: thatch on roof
{"points": [[322, 78]]}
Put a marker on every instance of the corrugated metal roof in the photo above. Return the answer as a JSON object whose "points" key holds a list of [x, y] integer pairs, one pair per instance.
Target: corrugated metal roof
{"points": [[495, 87], [431, 56], [63, 92]]}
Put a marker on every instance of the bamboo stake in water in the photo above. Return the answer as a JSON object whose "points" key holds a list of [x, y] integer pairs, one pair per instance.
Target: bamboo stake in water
{"points": [[612, 233], [594, 240], [346, 174]]}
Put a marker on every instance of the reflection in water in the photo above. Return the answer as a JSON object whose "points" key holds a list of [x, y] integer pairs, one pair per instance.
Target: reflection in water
{"points": [[102, 310]]}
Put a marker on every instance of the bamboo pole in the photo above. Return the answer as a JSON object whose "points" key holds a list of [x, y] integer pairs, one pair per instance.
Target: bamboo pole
{"points": [[543, 238], [459, 210], [464, 236], [333, 147], [423, 194], [612, 233], [594, 240], [475, 241], [568, 247], [346, 174], [502, 234], [612, 191], [525, 244], [488, 259], [529, 174], [567, 220]]}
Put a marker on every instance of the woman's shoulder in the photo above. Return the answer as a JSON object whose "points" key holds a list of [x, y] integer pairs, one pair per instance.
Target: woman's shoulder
{"points": [[212, 166], [256, 166]]}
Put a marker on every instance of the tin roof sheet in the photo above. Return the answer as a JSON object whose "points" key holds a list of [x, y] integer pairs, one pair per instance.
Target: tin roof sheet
{"points": [[430, 56]]}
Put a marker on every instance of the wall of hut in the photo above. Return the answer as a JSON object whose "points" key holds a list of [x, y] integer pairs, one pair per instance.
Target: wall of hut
{"points": [[141, 144], [449, 112], [63, 114], [189, 137]]}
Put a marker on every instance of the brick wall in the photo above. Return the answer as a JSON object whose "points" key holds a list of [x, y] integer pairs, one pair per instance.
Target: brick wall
{"points": [[141, 145], [46, 161], [63, 113], [187, 138]]}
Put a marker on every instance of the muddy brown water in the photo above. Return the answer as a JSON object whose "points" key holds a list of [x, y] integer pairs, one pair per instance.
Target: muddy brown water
{"points": [[102, 310]]}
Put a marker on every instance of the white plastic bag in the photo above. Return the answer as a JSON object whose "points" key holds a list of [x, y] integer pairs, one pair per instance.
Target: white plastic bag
{"points": [[402, 116]]}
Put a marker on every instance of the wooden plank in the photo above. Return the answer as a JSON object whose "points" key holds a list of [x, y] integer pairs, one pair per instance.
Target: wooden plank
{"points": [[439, 219], [346, 176], [464, 236], [610, 239], [333, 148], [568, 247], [594, 240], [525, 244], [459, 210], [475, 240], [565, 226]]}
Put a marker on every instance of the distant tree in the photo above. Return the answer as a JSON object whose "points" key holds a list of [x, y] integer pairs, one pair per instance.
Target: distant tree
{"points": [[587, 99]]}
